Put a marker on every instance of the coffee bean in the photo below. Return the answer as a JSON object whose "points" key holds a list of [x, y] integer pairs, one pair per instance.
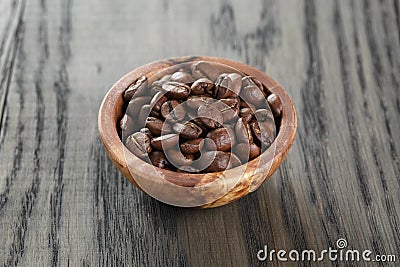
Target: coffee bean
{"points": [[203, 69], [156, 86], [229, 108], [246, 152], [139, 144], [136, 104], [176, 90], [196, 101], [156, 126], [253, 95], [165, 141], [227, 85], [189, 169], [188, 130], [201, 86], [264, 132], [138, 88], [219, 163], [275, 103], [223, 138], [246, 114], [177, 158], [182, 77], [243, 131], [156, 102], [159, 160], [192, 146], [143, 114], [127, 126], [210, 117], [172, 111], [234, 161], [263, 115]]}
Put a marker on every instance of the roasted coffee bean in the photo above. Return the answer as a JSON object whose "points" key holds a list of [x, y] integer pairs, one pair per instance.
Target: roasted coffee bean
{"points": [[246, 152], [253, 95], [201, 86], [234, 161], [165, 141], [146, 131], [173, 111], [139, 144], [127, 126], [227, 85], [159, 160], [275, 103], [246, 114], [156, 126], [264, 132], [176, 90], [192, 146], [229, 108], [263, 115], [223, 138], [219, 163], [136, 104], [156, 102], [210, 117], [196, 101], [177, 158], [143, 114], [251, 81], [203, 69], [182, 77], [243, 131], [156, 86], [188, 130], [189, 169], [138, 88]]}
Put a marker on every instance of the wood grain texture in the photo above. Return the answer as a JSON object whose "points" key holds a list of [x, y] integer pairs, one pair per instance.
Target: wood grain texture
{"points": [[63, 202]]}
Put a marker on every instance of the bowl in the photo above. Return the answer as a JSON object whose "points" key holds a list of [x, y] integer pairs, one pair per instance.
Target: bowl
{"points": [[185, 189]]}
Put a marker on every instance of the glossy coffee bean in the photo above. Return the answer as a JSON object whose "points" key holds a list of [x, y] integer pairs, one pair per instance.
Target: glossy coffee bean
{"points": [[172, 111], [182, 77], [252, 95], [263, 115], [246, 114], [159, 160], [176, 90], [246, 151], [227, 85], [229, 108], [203, 69], [196, 101], [264, 132], [136, 104], [127, 126], [177, 158], [275, 103], [143, 114], [156, 126], [139, 144], [138, 88], [156, 102], [219, 163], [157, 85], [201, 86], [223, 138], [210, 117], [165, 141], [192, 146], [234, 161], [188, 130], [243, 131]]}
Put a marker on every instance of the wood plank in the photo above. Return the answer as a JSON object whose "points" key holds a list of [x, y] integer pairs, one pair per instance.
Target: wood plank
{"points": [[63, 202]]}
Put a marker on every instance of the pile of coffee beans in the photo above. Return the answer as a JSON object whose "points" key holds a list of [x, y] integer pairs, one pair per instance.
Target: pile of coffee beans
{"points": [[205, 117]]}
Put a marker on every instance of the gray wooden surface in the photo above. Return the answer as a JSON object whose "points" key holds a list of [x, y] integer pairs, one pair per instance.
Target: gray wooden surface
{"points": [[62, 202]]}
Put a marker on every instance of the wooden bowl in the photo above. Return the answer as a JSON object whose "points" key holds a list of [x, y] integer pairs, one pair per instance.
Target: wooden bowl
{"points": [[194, 190]]}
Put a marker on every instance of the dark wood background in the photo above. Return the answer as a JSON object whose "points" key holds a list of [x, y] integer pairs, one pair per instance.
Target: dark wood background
{"points": [[63, 202]]}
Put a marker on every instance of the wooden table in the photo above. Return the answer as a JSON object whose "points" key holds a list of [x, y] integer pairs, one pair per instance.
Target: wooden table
{"points": [[62, 202]]}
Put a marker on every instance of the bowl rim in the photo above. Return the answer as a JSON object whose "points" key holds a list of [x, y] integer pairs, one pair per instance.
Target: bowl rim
{"points": [[110, 113]]}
